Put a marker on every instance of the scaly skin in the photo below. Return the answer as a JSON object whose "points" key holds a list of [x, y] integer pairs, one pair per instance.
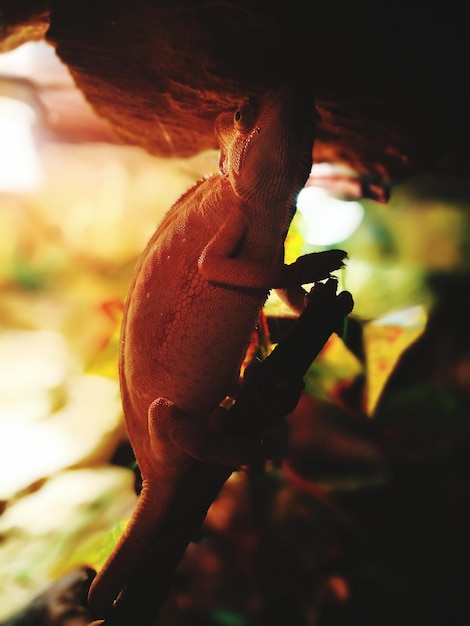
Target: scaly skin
{"points": [[194, 303]]}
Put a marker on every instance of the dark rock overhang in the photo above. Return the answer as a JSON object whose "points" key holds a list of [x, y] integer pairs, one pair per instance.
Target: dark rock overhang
{"points": [[390, 80]]}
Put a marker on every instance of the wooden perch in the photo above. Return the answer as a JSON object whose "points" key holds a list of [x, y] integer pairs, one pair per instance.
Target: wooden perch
{"points": [[271, 388]]}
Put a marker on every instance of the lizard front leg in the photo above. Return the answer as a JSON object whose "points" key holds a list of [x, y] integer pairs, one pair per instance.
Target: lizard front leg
{"points": [[219, 262], [295, 298]]}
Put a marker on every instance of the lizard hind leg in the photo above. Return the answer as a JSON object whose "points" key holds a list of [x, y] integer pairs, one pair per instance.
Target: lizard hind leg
{"points": [[173, 432]]}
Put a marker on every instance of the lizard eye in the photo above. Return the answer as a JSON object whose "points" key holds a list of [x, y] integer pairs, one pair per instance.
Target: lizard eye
{"points": [[244, 117]]}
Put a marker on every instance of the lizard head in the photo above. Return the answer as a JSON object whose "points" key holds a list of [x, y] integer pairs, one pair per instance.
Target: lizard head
{"points": [[266, 145]]}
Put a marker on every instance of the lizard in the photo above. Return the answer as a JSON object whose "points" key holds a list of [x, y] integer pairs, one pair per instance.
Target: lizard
{"points": [[194, 303]]}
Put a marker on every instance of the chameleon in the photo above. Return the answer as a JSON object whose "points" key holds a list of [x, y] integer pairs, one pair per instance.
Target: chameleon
{"points": [[193, 305]]}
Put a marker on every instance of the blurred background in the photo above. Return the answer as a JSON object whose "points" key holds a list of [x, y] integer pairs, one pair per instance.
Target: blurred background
{"points": [[367, 519]]}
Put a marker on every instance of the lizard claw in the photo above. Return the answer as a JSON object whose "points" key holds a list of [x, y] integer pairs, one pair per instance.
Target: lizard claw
{"points": [[317, 266]]}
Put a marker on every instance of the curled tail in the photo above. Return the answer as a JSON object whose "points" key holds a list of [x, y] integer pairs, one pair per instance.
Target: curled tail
{"points": [[129, 552]]}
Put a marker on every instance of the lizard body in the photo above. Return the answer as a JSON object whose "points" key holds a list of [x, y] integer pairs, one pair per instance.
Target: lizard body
{"points": [[193, 305]]}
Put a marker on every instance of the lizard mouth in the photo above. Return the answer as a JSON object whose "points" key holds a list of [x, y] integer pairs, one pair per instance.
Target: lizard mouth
{"points": [[239, 155]]}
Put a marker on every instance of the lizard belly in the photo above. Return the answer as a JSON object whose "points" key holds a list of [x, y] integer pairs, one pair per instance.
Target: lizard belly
{"points": [[190, 349]]}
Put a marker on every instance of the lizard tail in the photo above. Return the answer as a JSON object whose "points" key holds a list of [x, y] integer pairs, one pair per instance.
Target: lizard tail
{"points": [[128, 554]]}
